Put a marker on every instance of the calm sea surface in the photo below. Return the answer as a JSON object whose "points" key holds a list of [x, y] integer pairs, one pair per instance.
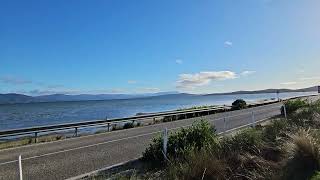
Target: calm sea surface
{"points": [[36, 114]]}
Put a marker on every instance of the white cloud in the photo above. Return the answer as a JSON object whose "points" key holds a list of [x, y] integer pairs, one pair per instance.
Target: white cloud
{"points": [[247, 73], [288, 83], [55, 86], [14, 80], [132, 82], [309, 78], [228, 43], [39, 92], [150, 89], [104, 91], [187, 81], [147, 90], [179, 61]]}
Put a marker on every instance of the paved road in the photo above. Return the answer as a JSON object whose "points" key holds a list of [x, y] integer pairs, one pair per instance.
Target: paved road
{"points": [[71, 157]]}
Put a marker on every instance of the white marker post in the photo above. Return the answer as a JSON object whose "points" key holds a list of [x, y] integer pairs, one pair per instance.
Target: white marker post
{"points": [[253, 120], [224, 125], [285, 111], [165, 142], [20, 168]]}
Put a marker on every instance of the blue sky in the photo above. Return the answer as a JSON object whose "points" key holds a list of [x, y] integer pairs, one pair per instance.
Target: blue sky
{"points": [[112, 46]]}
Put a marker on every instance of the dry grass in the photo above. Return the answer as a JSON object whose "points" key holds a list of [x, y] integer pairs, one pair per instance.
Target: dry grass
{"points": [[30, 140], [15, 143], [199, 165], [303, 156]]}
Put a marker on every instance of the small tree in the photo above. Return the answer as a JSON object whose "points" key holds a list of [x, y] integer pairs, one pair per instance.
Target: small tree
{"points": [[239, 104]]}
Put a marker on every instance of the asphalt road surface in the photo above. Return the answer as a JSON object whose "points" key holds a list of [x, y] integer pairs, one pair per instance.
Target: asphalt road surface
{"points": [[72, 157]]}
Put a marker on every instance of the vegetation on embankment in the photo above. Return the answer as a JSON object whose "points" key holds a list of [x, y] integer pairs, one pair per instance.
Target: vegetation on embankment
{"points": [[282, 149], [30, 140], [197, 107], [16, 142]]}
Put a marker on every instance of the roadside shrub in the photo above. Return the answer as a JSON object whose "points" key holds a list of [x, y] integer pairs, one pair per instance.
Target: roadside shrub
{"points": [[198, 165], [274, 130], [128, 125], [307, 116], [316, 176], [181, 142], [303, 157], [293, 105], [246, 141], [244, 154], [239, 104]]}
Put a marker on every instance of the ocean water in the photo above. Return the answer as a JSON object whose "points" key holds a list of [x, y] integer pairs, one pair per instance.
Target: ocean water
{"points": [[14, 116]]}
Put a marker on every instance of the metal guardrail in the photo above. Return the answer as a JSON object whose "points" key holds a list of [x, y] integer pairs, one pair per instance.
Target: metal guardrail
{"points": [[77, 125]]}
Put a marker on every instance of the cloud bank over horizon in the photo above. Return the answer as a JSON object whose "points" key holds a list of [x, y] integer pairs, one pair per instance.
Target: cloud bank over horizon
{"points": [[191, 81]]}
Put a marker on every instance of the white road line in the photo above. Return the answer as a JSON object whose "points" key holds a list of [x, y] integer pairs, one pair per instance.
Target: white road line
{"points": [[82, 147], [116, 140]]}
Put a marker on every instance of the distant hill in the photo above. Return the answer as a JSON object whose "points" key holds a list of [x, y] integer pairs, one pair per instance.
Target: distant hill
{"points": [[14, 98], [309, 89], [20, 98]]}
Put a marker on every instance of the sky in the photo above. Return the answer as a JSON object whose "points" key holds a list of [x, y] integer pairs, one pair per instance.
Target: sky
{"points": [[125, 46]]}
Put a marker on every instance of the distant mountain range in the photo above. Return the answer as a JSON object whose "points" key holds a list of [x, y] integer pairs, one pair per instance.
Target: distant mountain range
{"points": [[13, 98], [309, 89]]}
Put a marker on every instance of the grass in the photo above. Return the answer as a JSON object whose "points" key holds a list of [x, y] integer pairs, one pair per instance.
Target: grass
{"points": [[30, 140], [303, 156], [197, 107], [16, 143]]}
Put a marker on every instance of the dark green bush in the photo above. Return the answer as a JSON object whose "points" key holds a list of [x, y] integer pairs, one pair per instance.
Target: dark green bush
{"points": [[239, 104], [128, 125], [198, 165], [293, 105], [316, 176], [274, 129], [196, 137], [307, 115], [246, 141], [303, 157]]}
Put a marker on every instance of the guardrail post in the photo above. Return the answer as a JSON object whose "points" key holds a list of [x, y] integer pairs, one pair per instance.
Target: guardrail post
{"points": [[285, 111], [253, 120], [76, 131], [224, 124], [35, 137], [20, 168], [165, 142]]}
